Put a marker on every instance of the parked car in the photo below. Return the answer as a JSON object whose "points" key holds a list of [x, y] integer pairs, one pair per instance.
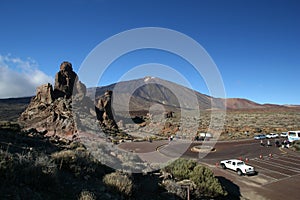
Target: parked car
{"points": [[283, 134], [260, 137], [272, 135], [293, 136], [239, 166], [203, 136]]}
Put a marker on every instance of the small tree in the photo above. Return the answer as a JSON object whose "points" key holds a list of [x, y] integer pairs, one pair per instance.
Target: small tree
{"points": [[207, 184]]}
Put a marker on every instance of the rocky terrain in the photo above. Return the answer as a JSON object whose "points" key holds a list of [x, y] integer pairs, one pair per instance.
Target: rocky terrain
{"points": [[149, 100], [61, 143], [65, 110], [61, 147]]}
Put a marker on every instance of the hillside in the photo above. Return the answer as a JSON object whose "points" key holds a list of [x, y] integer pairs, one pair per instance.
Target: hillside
{"points": [[10, 109], [149, 90], [143, 93]]}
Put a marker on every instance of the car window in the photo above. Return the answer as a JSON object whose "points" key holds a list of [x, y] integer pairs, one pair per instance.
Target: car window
{"points": [[240, 163], [292, 134], [233, 163]]}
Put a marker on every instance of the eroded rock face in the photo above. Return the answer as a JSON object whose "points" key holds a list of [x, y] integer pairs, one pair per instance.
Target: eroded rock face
{"points": [[44, 94], [64, 110], [105, 112], [67, 83]]}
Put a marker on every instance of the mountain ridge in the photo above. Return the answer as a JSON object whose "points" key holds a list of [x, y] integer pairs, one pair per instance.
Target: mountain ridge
{"points": [[142, 99], [159, 86]]}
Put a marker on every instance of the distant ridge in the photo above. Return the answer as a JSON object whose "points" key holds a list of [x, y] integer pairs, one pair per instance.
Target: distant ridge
{"points": [[151, 90], [11, 108], [20, 100]]}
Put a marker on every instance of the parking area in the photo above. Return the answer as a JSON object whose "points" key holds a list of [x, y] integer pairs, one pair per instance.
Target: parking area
{"points": [[278, 175], [278, 168]]}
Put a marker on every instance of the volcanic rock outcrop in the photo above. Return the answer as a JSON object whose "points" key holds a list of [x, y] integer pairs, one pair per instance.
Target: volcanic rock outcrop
{"points": [[66, 110], [67, 83], [105, 112]]}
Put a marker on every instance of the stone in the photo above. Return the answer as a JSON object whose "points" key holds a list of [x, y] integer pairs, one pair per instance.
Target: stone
{"points": [[65, 80], [66, 111], [79, 91], [62, 110], [105, 112], [44, 94]]}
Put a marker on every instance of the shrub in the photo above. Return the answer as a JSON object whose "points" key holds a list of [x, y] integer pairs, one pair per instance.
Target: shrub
{"points": [[86, 195], [80, 163], [33, 170], [174, 188], [120, 182], [181, 168], [6, 165], [206, 185]]}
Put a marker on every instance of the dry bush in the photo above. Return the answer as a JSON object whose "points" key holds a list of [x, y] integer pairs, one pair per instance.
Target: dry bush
{"points": [[120, 182], [86, 195], [80, 163]]}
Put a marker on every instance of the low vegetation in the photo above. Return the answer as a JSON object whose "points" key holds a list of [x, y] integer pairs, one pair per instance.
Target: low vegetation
{"points": [[120, 182], [35, 167], [86, 195], [199, 179]]}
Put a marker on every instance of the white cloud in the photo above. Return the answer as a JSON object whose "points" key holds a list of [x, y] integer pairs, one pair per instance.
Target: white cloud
{"points": [[19, 78]]}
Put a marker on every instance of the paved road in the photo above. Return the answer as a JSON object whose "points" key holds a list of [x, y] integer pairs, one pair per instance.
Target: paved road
{"points": [[278, 169]]}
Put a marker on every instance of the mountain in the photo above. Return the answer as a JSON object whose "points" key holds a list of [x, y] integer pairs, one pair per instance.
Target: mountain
{"points": [[141, 94], [238, 103]]}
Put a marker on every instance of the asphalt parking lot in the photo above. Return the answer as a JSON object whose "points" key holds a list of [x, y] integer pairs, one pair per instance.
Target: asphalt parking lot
{"points": [[278, 169], [278, 177]]}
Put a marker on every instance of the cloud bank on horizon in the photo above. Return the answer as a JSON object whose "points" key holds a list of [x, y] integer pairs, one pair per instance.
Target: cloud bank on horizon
{"points": [[19, 77]]}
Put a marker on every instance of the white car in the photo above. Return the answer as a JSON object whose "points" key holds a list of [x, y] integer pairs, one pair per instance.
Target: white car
{"points": [[272, 135], [283, 134], [239, 166], [260, 137]]}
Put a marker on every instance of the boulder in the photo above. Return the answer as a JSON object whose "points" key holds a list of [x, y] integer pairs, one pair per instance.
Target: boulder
{"points": [[105, 111]]}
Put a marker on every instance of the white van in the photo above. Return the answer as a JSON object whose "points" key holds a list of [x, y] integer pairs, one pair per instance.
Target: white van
{"points": [[293, 136]]}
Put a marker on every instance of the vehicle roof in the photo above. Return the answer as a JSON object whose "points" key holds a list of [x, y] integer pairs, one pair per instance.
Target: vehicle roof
{"points": [[235, 160]]}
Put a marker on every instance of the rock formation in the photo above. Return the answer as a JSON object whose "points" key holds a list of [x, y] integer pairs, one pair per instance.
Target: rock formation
{"points": [[66, 110], [67, 83], [105, 112]]}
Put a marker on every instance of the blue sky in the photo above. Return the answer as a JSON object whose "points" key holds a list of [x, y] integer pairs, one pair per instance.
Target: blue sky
{"points": [[255, 44]]}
